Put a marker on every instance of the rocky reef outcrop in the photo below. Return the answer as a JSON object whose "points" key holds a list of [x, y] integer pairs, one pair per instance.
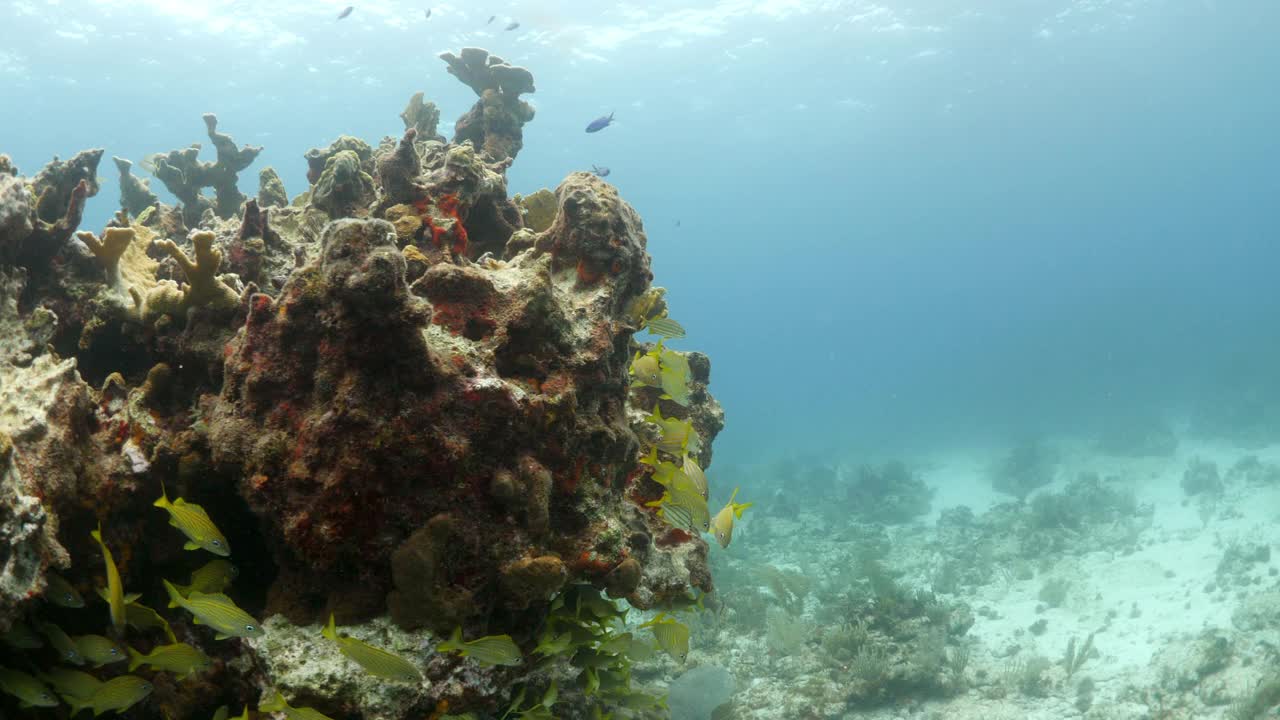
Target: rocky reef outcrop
{"points": [[405, 397]]}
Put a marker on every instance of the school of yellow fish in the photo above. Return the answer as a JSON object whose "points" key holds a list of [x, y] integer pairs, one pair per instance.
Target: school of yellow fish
{"points": [[685, 491], [202, 598]]}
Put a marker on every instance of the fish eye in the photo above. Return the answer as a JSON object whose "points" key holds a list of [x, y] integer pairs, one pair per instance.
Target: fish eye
{"points": [[217, 543], [114, 651], [249, 628]]}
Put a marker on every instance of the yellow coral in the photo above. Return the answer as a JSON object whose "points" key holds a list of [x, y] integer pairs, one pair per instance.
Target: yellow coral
{"points": [[540, 209], [125, 262], [203, 287]]}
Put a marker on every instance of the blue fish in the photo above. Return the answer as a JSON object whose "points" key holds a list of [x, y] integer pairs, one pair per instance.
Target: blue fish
{"points": [[600, 170], [600, 123], [346, 11]]}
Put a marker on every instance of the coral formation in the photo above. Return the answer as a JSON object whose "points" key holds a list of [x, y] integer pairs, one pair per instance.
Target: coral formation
{"points": [[135, 193], [422, 117], [185, 175], [495, 124], [1029, 465], [402, 403]]}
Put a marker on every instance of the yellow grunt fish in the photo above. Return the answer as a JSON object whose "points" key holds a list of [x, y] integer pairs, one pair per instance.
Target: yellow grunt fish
{"points": [[66, 647], [60, 592], [722, 524], [488, 650], [195, 523], [695, 474], [178, 658], [115, 589], [98, 649], [278, 704], [684, 508], [29, 691], [675, 377], [646, 369], [120, 694], [678, 436], [212, 577], [665, 326], [222, 713], [217, 611], [76, 688], [672, 636], [141, 617], [374, 660], [20, 636]]}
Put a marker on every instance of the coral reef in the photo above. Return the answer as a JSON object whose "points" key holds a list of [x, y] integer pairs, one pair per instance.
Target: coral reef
{"points": [[890, 494], [1029, 465], [401, 403]]}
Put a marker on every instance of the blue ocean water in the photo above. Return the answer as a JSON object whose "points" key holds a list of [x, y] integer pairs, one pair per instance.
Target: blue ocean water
{"points": [[890, 224]]}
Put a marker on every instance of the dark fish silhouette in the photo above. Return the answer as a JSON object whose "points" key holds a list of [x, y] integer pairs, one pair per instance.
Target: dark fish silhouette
{"points": [[346, 11], [677, 223], [428, 13], [600, 171], [513, 26], [491, 19], [600, 123]]}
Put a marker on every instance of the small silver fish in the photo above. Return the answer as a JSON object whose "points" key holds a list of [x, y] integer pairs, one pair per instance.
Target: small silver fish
{"points": [[428, 14], [491, 19], [512, 26], [346, 11], [600, 171]]}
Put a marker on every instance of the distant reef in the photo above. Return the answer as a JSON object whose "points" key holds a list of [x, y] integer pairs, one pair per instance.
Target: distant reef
{"points": [[404, 397]]}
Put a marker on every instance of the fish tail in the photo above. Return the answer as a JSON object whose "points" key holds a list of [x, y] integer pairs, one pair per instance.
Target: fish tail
{"points": [[330, 631], [175, 599], [275, 704], [740, 507], [135, 658], [163, 502], [97, 534], [453, 643]]}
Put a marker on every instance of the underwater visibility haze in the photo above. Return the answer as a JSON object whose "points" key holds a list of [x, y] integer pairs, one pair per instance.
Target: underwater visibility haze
{"points": [[366, 360]]}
